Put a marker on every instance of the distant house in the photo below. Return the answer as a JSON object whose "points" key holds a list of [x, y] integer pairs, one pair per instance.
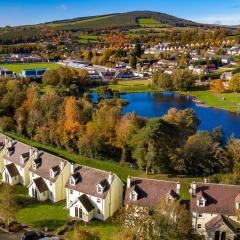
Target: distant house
{"points": [[48, 177], [209, 68], [121, 65], [143, 192], [124, 74], [7, 73], [17, 161], [34, 73], [213, 208], [92, 193]]}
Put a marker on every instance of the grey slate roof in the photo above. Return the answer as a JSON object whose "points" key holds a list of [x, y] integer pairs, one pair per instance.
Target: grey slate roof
{"points": [[84, 200], [40, 185], [12, 170]]}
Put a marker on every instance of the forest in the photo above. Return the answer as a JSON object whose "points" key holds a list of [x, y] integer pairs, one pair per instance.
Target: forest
{"points": [[65, 116]]}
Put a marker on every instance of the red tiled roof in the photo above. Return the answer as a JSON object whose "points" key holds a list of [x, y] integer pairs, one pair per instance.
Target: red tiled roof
{"points": [[87, 181], [220, 198], [150, 191]]}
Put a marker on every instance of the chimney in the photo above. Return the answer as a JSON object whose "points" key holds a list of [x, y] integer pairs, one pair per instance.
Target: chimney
{"points": [[178, 187], [62, 164], [6, 141], [31, 151], [10, 143], [72, 168], [110, 178], [128, 182], [36, 154], [193, 188]]}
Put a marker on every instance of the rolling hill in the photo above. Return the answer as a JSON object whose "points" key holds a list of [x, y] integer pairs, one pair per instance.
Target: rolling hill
{"points": [[120, 20]]}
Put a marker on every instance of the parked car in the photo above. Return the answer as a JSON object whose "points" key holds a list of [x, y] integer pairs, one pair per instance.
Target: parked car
{"points": [[31, 235]]}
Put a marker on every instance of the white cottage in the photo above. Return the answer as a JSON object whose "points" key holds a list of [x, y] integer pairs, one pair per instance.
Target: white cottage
{"points": [[17, 161], [4, 143], [92, 193], [214, 208], [48, 177], [142, 192]]}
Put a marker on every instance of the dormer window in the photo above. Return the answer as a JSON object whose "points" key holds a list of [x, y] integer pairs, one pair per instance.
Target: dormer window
{"points": [[99, 189], [201, 202], [133, 196], [72, 181], [52, 173]]}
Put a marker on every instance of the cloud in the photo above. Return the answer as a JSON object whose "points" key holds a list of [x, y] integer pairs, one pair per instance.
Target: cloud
{"points": [[233, 19], [63, 7]]}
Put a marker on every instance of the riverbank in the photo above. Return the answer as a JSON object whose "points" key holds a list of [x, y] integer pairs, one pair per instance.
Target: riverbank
{"points": [[225, 101]]}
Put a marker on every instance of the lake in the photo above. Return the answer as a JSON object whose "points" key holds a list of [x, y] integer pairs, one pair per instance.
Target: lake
{"points": [[156, 104]]}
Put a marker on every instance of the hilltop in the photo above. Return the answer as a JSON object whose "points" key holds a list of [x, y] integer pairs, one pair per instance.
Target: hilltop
{"points": [[119, 20]]}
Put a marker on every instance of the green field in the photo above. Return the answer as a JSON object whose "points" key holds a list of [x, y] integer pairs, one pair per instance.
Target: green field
{"points": [[226, 101], [148, 22], [17, 68], [127, 86]]}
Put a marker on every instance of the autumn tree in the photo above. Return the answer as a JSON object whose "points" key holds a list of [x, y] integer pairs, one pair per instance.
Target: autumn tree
{"points": [[8, 204], [127, 127], [234, 83], [218, 86]]}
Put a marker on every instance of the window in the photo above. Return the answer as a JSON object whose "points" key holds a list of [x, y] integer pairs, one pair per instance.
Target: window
{"points": [[51, 194], [50, 184], [98, 211], [71, 191], [98, 200], [199, 226], [72, 181], [201, 203], [200, 215], [99, 189]]}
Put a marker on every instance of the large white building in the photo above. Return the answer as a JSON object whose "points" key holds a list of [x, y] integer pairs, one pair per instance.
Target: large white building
{"points": [[48, 177], [93, 193], [214, 210]]}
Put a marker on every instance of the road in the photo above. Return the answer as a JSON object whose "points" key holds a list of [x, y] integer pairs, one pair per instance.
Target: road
{"points": [[11, 236]]}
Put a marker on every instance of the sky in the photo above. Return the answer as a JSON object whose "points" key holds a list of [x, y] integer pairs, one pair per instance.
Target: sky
{"points": [[21, 12]]}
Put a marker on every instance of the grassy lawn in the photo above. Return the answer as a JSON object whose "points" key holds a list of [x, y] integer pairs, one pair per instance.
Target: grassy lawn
{"points": [[106, 230], [17, 68], [41, 215], [127, 86], [226, 101]]}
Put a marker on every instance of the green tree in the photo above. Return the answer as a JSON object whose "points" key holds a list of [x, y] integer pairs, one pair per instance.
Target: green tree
{"points": [[162, 80], [183, 80], [234, 83], [133, 62]]}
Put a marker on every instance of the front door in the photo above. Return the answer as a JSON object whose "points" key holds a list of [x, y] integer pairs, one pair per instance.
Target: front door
{"points": [[34, 192], [76, 212], [6, 177]]}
